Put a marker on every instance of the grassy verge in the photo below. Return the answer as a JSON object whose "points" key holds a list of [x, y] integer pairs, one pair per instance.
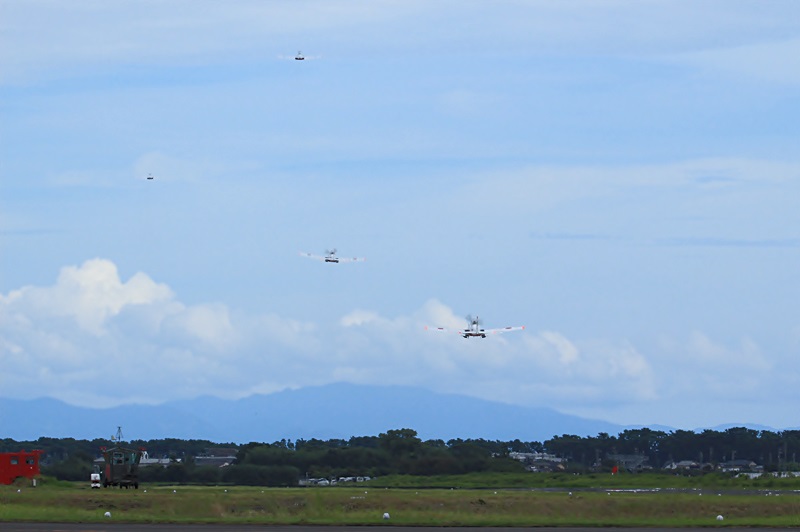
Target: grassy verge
{"points": [[594, 480], [362, 506]]}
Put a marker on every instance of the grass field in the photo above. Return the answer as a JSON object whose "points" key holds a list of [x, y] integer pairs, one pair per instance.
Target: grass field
{"points": [[67, 502], [592, 480]]}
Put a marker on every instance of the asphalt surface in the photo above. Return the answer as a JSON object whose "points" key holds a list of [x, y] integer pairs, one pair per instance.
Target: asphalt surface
{"points": [[123, 527]]}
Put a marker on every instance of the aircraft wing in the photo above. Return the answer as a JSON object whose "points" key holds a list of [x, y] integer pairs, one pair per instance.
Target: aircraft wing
{"points": [[504, 330], [442, 329], [312, 256], [350, 259]]}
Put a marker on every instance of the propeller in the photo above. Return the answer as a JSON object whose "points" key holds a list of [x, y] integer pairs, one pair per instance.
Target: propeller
{"points": [[474, 321]]}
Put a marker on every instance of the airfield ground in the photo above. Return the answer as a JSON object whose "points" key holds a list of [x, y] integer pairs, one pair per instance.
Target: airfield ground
{"points": [[76, 503]]}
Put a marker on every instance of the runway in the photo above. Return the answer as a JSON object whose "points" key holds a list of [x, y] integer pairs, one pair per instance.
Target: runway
{"points": [[124, 527]]}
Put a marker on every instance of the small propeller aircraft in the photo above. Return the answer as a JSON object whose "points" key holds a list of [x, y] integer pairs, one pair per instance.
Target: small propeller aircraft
{"points": [[330, 256], [475, 329], [149, 176], [300, 56]]}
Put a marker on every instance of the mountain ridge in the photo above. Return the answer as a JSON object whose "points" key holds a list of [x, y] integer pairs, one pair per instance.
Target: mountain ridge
{"points": [[332, 411]]}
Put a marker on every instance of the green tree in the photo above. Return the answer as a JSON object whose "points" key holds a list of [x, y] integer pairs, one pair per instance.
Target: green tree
{"points": [[78, 466], [400, 442]]}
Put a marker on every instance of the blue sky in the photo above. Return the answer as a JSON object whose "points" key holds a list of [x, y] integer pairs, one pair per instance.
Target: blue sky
{"points": [[619, 177]]}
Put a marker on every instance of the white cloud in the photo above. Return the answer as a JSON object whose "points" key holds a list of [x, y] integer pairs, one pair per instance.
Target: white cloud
{"points": [[522, 368], [69, 338], [701, 365], [210, 325], [94, 339], [89, 294], [708, 353], [703, 381], [576, 371], [567, 352], [358, 317]]}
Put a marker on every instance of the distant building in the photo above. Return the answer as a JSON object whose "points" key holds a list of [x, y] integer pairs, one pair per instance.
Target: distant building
{"points": [[539, 462], [736, 466], [216, 457], [146, 461], [683, 465], [24, 464], [535, 457], [630, 462]]}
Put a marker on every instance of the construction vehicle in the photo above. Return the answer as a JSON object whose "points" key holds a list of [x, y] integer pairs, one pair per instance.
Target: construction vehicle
{"points": [[121, 464], [121, 467]]}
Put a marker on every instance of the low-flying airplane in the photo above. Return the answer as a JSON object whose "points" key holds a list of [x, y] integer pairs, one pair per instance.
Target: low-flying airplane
{"points": [[300, 56], [474, 329], [330, 256]]}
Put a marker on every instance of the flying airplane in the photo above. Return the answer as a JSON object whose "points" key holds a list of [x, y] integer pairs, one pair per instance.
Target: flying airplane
{"points": [[474, 329], [149, 176], [300, 56], [330, 256]]}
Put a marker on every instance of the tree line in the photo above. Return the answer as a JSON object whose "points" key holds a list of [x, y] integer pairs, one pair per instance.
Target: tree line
{"points": [[401, 451]]}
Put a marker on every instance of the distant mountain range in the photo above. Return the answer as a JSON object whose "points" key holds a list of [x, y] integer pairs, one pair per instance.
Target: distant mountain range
{"points": [[324, 412]]}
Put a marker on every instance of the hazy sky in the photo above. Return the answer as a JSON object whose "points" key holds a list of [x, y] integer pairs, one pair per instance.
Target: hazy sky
{"points": [[621, 177]]}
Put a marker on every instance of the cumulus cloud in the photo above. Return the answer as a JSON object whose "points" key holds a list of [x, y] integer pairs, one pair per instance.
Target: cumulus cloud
{"points": [[95, 339], [544, 368], [92, 338], [598, 370], [358, 317], [707, 366], [89, 294], [567, 352]]}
